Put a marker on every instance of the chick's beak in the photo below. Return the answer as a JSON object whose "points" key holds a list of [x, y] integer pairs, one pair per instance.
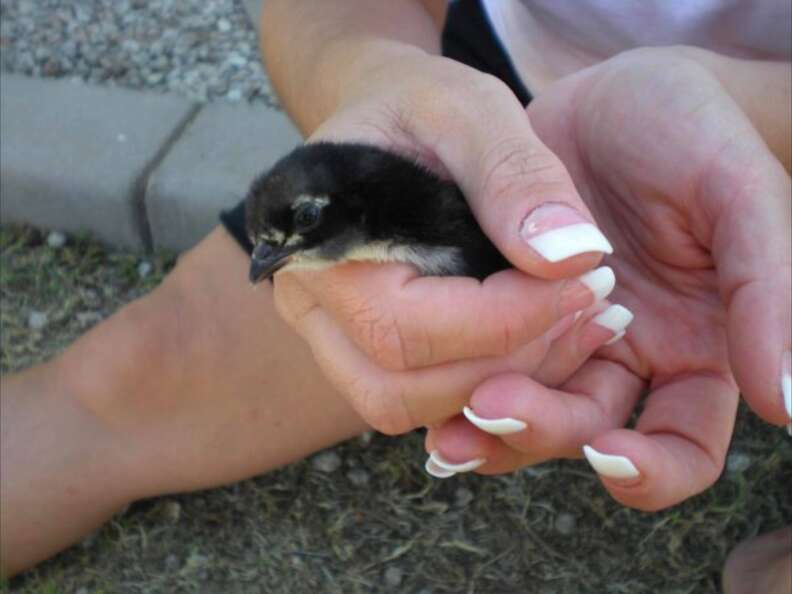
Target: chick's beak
{"points": [[267, 260]]}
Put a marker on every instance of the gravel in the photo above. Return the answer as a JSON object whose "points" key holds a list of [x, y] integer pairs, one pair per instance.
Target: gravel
{"points": [[393, 577], [38, 320], [327, 461], [737, 462], [205, 50], [56, 240]]}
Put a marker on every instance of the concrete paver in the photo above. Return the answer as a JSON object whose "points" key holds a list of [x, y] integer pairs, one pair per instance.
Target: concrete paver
{"points": [[74, 157], [210, 168]]}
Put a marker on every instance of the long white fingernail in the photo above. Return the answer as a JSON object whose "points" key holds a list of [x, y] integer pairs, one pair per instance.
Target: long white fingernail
{"points": [[503, 426], [786, 386], [616, 467], [616, 318], [436, 471], [599, 281], [438, 459], [558, 232]]}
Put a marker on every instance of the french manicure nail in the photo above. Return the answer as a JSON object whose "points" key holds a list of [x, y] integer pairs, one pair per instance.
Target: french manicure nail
{"points": [[615, 338], [786, 386], [504, 426], [598, 282], [616, 318], [437, 472], [608, 465], [558, 232], [438, 459]]}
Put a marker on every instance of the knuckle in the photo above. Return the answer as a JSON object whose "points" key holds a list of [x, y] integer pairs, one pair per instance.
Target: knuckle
{"points": [[382, 409], [378, 334], [516, 167]]}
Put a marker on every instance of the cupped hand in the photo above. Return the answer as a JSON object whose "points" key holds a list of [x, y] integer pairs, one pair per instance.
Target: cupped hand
{"points": [[698, 211], [406, 350]]}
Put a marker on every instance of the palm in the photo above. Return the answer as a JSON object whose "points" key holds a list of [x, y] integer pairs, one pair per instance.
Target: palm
{"points": [[642, 177]]}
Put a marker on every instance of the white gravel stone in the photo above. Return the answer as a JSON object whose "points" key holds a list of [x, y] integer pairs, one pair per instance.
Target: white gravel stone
{"points": [[358, 477], [172, 563], [88, 318], [393, 577], [56, 240], [327, 462], [565, 523], [171, 511], [737, 462], [37, 320], [144, 269]]}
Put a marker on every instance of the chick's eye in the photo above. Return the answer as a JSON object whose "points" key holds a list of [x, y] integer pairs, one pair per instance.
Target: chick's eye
{"points": [[307, 217]]}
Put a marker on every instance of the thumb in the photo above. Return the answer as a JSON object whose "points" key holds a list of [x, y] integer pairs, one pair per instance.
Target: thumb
{"points": [[748, 193], [519, 190]]}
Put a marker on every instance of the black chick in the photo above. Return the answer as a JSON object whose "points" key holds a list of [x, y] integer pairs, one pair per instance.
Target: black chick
{"points": [[326, 203]]}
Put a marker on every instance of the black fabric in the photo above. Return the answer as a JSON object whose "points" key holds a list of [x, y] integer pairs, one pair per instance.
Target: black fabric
{"points": [[234, 222], [468, 38]]}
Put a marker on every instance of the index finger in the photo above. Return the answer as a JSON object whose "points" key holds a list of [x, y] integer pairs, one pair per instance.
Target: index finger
{"points": [[403, 321]]}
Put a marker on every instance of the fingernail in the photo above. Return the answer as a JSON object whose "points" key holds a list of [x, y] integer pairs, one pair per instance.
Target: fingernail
{"points": [[607, 465], [616, 318], [558, 232], [616, 338], [504, 426], [577, 296], [786, 386], [438, 460], [436, 471]]}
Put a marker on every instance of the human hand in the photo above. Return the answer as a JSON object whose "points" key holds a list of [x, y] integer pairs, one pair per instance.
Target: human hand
{"points": [[698, 210], [407, 351]]}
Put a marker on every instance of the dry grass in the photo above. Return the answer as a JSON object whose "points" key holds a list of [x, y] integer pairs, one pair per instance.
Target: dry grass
{"points": [[378, 523]]}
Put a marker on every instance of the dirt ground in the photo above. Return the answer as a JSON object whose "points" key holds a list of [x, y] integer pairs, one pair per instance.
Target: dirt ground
{"points": [[365, 517]]}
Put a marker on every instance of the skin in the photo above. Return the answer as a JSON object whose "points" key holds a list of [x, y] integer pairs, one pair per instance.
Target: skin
{"points": [[743, 188], [690, 343], [354, 320], [152, 401]]}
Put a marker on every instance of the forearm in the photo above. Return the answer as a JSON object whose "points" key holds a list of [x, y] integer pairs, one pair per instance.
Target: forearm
{"points": [[763, 91], [318, 50]]}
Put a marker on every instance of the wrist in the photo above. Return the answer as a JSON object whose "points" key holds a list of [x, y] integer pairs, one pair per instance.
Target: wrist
{"points": [[349, 69]]}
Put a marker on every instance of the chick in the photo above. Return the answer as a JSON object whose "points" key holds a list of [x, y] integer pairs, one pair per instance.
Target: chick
{"points": [[327, 203]]}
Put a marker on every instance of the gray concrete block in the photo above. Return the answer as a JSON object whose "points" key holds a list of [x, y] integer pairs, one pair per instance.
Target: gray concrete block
{"points": [[211, 167], [72, 156]]}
